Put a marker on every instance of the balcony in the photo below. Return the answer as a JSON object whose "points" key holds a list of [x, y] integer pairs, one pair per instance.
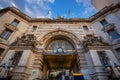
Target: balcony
{"points": [[11, 27], [108, 27]]}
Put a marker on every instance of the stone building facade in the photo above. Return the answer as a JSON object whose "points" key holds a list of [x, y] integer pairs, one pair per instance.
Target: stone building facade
{"points": [[40, 47], [100, 4]]}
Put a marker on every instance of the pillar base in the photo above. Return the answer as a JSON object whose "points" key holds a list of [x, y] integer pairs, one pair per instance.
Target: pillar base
{"points": [[20, 76], [100, 76]]}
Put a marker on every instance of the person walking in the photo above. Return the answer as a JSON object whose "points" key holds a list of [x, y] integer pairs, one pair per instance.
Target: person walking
{"points": [[71, 77], [63, 76], [51, 77]]}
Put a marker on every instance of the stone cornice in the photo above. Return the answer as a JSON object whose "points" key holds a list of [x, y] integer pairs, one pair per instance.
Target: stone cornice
{"points": [[104, 11], [48, 20], [17, 12], [99, 47], [21, 47]]}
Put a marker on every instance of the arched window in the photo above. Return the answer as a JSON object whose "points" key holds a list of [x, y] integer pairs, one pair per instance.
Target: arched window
{"points": [[60, 46]]}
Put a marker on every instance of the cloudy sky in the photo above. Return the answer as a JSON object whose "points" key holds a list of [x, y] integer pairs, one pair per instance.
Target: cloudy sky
{"points": [[52, 8]]}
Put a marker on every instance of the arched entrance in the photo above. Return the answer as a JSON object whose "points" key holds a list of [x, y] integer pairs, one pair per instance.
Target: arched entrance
{"points": [[60, 53]]}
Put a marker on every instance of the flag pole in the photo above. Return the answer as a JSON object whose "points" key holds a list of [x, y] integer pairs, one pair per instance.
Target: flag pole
{"points": [[69, 12]]}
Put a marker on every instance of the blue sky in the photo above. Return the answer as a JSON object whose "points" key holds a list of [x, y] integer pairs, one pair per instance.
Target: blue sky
{"points": [[52, 8]]}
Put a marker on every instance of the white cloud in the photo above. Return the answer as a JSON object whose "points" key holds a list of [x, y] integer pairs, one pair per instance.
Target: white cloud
{"points": [[6, 3], [78, 1], [1, 7], [38, 2], [84, 2], [28, 11], [13, 4], [51, 1], [40, 9], [88, 7], [87, 11], [36, 13], [41, 3]]}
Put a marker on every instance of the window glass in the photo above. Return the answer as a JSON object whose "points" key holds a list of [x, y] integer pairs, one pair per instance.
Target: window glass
{"points": [[6, 34], [113, 34], [34, 28], [60, 46], [103, 57], [85, 27], [15, 22], [1, 51], [16, 57], [118, 51], [104, 22]]}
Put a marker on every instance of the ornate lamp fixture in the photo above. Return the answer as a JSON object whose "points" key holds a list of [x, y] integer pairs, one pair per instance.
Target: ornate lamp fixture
{"points": [[117, 67], [110, 70]]}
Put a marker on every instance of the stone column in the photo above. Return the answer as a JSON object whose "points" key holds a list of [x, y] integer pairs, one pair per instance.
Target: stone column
{"points": [[37, 66], [8, 56], [39, 60], [45, 69], [6, 60], [113, 60], [82, 63], [99, 71], [21, 71], [48, 73]]}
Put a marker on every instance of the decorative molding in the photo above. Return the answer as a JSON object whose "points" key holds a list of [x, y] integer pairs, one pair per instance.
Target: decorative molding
{"points": [[11, 27], [99, 48], [91, 40], [60, 32], [108, 27], [21, 47], [4, 42], [25, 40]]}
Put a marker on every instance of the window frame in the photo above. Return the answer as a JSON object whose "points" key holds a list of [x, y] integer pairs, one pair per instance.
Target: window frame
{"points": [[85, 27], [6, 34], [15, 22], [113, 34], [1, 51], [104, 22], [16, 58], [118, 50], [35, 27], [104, 60]]}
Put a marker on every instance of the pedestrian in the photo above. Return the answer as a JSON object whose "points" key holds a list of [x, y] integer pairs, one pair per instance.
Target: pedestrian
{"points": [[51, 77], [71, 77], [63, 76]]}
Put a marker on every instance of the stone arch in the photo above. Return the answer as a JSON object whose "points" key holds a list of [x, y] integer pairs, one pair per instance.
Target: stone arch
{"points": [[71, 36]]}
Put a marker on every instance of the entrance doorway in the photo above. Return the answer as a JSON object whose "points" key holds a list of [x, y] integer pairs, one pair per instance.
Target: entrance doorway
{"points": [[60, 56], [56, 73], [61, 63]]}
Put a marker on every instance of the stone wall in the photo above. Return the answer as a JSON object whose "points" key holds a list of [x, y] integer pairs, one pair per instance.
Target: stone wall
{"points": [[100, 4]]}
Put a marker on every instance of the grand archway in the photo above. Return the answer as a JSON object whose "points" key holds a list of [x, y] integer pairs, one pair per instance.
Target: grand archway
{"points": [[60, 53], [70, 36]]}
